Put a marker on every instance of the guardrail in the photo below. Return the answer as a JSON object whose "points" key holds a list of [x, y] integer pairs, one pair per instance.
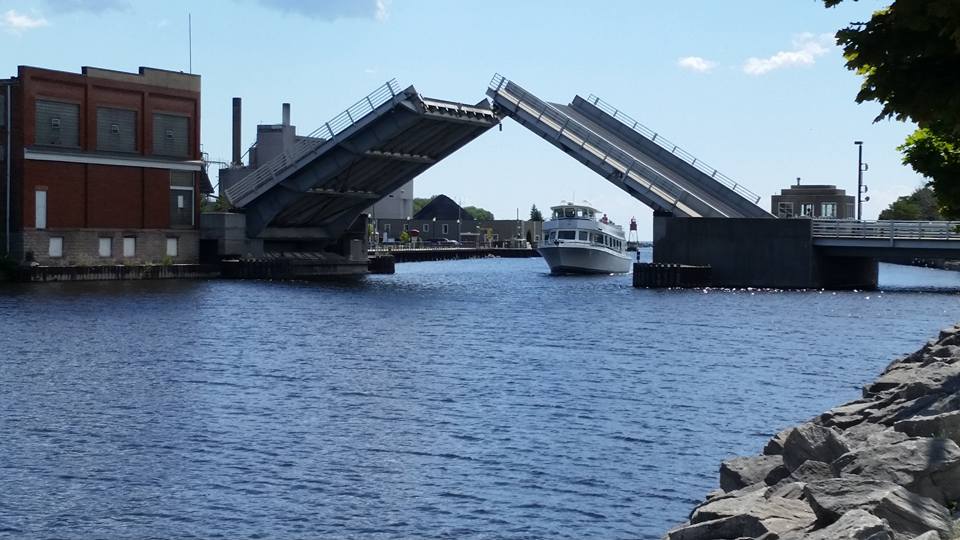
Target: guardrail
{"points": [[666, 189], [689, 158], [891, 230], [325, 134]]}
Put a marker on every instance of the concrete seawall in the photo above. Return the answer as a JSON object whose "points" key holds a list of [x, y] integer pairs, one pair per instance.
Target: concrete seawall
{"points": [[883, 467]]}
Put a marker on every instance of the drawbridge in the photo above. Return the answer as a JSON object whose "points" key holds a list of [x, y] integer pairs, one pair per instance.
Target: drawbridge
{"points": [[633, 157], [317, 188]]}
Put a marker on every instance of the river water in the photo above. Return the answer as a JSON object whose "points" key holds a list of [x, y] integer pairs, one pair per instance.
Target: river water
{"points": [[460, 399]]}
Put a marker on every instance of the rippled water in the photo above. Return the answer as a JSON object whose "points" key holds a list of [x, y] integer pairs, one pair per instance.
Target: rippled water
{"points": [[459, 399]]}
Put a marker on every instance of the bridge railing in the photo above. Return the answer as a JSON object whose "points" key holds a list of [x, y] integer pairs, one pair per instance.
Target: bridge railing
{"points": [[689, 158], [240, 192], [892, 230], [664, 188]]}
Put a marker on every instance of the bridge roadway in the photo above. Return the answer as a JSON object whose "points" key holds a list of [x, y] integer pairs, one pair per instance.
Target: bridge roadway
{"points": [[316, 190], [919, 239], [623, 154]]}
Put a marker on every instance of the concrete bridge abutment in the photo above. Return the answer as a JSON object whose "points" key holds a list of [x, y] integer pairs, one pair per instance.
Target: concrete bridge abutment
{"points": [[758, 252]]}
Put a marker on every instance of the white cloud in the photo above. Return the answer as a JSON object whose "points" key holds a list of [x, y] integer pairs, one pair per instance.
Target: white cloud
{"points": [[331, 10], [695, 63], [806, 49], [92, 6], [19, 22], [383, 10]]}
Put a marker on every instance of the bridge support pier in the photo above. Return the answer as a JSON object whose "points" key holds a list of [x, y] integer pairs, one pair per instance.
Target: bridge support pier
{"points": [[758, 252]]}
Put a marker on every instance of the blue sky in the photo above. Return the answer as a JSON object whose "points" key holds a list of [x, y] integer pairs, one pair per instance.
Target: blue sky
{"points": [[756, 88]]}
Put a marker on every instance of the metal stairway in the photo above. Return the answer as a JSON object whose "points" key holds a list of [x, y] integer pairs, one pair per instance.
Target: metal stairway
{"points": [[624, 155]]}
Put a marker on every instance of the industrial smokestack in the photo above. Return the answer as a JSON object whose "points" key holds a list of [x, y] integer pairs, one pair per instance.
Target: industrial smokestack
{"points": [[236, 133], [286, 114]]}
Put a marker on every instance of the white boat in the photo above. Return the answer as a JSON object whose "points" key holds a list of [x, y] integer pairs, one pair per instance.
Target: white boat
{"points": [[577, 240]]}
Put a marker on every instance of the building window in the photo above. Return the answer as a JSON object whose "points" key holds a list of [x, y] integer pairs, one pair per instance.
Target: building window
{"points": [[173, 245], [57, 124], [426, 227], [40, 207], [181, 199], [56, 246], [536, 238], [828, 210], [386, 227], [105, 248], [806, 209], [171, 135], [785, 209], [445, 228], [406, 227], [116, 130], [129, 246]]}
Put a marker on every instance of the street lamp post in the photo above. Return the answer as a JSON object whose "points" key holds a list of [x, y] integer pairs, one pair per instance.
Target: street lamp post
{"points": [[861, 189]]}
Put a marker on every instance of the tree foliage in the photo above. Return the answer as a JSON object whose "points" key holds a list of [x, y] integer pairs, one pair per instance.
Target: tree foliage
{"points": [[919, 205], [909, 57], [535, 214], [479, 214]]}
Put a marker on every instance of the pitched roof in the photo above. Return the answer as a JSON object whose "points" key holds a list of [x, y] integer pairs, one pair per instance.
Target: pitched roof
{"points": [[443, 208]]}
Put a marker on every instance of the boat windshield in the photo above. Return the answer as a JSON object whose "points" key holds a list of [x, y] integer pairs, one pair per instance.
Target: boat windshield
{"points": [[570, 212]]}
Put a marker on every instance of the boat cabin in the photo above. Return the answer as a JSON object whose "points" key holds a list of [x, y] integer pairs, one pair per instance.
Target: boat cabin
{"points": [[574, 212]]}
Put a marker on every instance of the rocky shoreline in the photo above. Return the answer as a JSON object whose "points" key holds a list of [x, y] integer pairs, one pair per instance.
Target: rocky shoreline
{"points": [[883, 467]]}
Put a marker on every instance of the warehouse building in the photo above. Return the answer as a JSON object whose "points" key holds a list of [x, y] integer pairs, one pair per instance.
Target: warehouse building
{"points": [[100, 167]]}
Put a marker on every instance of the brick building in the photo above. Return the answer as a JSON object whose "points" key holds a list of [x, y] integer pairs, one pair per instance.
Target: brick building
{"points": [[813, 201], [100, 167]]}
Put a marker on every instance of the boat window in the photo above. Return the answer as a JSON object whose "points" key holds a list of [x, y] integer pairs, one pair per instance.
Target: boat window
{"points": [[568, 235], [584, 235], [570, 212], [597, 239]]}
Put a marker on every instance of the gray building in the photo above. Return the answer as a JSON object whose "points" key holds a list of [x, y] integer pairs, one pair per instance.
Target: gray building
{"points": [[396, 205], [813, 201]]}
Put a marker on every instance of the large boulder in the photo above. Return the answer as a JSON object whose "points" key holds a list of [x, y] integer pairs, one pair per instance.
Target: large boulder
{"points": [[742, 526], [740, 472], [811, 471], [778, 515], [935, 378], [946, 425], [774, 446], [812, 442], [928, 467], [856, 524], [906, 513]]}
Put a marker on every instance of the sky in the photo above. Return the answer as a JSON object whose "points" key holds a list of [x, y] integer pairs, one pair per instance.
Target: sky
{"points": [[756, 88]]}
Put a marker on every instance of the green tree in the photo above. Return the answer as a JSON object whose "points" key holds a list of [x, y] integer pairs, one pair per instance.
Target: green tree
{"points": [[535, 214], [919, 205], [909, 57], [479, 214], [404, 237]]}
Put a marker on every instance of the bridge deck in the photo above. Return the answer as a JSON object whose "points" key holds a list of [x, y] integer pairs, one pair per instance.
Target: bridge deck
{"points": [[319, 188], [936, 239], [602, 143]]}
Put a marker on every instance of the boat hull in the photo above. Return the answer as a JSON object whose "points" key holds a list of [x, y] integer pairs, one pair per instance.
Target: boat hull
{"points": [[565, 259]]}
